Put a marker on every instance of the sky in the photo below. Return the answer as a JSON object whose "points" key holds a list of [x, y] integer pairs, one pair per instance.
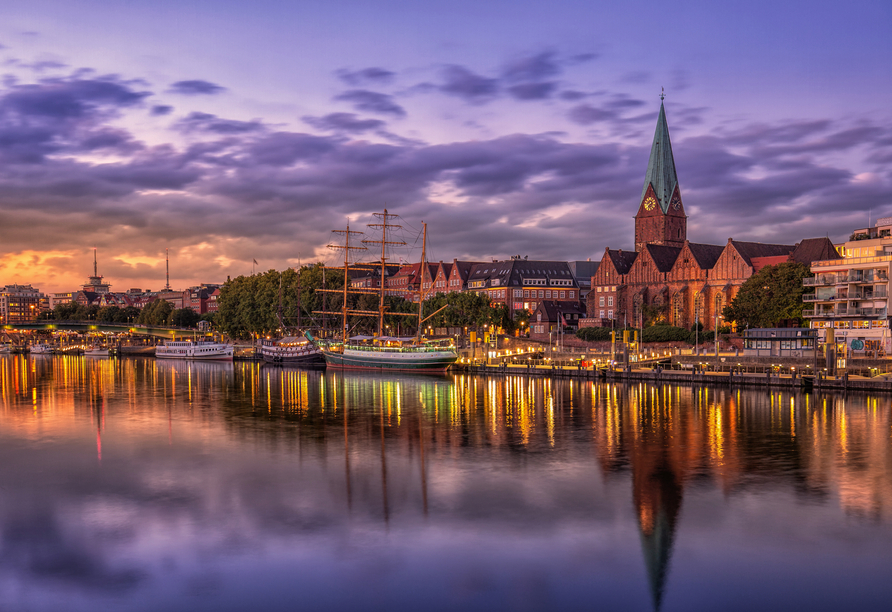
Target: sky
{"points": [[229, 132]]}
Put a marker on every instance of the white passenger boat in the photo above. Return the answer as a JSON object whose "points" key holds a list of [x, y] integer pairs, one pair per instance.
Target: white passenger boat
{"points": [[42, 349], [188, 349], [96, 351]]}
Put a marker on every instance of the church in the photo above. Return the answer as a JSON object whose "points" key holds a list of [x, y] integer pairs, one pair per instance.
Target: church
{"points": [[669, 278]]}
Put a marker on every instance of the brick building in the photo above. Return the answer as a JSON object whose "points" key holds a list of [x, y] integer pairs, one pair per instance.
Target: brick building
{"points": [[19, 304], [522, 284], [668, 277]]}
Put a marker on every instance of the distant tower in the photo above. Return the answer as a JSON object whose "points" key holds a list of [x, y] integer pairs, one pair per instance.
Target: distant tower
{"points": [[661, 218], [95, 283], [167, 263]]}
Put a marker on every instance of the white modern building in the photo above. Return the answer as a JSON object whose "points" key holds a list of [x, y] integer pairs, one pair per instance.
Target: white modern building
{"points": [[851, 295]]}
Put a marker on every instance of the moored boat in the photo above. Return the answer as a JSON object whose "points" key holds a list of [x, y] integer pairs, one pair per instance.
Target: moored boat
{"points": [[199, 350], [291, 350], [42, 349], [96, 351], [383, 352], [386, 353]]}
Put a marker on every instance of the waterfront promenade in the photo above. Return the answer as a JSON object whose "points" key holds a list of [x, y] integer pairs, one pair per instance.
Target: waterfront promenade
{"points": [[666, 373]]}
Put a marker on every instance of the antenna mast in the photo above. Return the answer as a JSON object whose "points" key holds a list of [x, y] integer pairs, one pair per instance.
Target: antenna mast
{"points": [[167, 265], [384, 225], [95, 269]]}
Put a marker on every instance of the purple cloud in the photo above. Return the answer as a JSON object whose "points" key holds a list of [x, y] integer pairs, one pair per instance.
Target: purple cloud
{"points": [[366, 76], [205, 122], [344, 122], [161, 109], [372, 102], [460, 82], [196, 87]]}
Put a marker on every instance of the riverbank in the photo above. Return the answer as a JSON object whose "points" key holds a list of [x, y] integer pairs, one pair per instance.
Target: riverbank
{"points": [[659, 374]]}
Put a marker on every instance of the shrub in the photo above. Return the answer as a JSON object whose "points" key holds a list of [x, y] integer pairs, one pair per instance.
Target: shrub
{"points": [[591, 334]]}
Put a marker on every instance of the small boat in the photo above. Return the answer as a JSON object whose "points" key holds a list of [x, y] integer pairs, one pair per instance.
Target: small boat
{"points": [[5, 347], [96, 351], [42, 349], [198, 350], [291, 350]]}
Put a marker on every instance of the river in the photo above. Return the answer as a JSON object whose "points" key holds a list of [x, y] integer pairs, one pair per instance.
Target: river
{"points": [[142, 485]]}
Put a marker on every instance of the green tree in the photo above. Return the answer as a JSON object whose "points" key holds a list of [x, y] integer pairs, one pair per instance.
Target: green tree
{"points": [[156, 313], [184, 317], [772, 295]]}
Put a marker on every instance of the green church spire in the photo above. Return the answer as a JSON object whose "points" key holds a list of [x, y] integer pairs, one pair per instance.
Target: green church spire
{"points": [[661, 166]]}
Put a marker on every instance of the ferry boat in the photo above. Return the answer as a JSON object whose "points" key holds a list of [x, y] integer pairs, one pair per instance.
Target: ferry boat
{"points": [[5, 347], [96, 351], [382, 352], [188, 349], [42, 349], [294, 351]]}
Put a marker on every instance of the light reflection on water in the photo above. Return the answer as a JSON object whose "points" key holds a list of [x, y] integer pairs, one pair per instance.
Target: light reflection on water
{"points": [[141, 485]]}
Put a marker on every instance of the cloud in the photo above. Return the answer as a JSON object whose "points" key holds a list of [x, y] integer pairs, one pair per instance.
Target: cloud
{"points": [[532, 91], [372, 102], [586, 114], [239, 186], [161, 109], [205, 122], [366, 76], [460, 82], [345, 122], [532, 67], [196, 87]]}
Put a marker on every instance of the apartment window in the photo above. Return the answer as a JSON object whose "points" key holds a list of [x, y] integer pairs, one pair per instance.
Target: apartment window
{"points": [[601, 301], [526, 293], [541, 294], [548, 294], [610, 301], [571, 295], [609, 314], [602, 314], [563, 294]]}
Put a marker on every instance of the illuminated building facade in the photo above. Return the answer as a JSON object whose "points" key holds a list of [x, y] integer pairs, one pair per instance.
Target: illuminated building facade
{"points": [[668, 277], [19, 304]]}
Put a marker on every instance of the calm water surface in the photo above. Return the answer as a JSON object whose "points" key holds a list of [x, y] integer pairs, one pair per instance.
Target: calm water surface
{"points": [[141, 485]]}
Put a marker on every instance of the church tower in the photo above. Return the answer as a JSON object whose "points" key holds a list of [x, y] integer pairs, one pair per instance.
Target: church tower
{"points": [[660, 218]]}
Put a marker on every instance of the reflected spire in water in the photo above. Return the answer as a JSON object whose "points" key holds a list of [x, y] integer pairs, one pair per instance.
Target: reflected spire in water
{"points": [[659, 467]]}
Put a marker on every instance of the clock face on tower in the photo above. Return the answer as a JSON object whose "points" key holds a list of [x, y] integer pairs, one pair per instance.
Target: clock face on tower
{"points": [[649, 203], [676, 202]]}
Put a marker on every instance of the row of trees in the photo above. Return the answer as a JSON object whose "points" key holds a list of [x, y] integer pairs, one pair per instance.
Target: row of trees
{"points": [[159, 312], [254, 304]]}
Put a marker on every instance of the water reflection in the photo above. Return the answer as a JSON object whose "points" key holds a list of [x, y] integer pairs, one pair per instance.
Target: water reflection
{"points": [[183, 485]]}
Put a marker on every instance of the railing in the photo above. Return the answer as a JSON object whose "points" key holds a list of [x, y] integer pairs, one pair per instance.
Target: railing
{"points": [[845, 312], [821, 279], [852, 260]]}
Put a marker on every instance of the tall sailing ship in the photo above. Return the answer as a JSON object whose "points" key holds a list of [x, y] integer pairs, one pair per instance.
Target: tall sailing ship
{"points": [[290, 350], [382, 352]]}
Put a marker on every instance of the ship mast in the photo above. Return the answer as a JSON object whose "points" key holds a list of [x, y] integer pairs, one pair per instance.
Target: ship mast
{"points": [[384, 225], [422, 266]]}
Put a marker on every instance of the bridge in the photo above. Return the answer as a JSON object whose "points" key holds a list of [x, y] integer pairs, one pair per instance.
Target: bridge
{"points": [[169, 333]]}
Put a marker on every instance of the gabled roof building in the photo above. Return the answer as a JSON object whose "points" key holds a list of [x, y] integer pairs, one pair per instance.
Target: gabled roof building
{"points": [[669, 277]]}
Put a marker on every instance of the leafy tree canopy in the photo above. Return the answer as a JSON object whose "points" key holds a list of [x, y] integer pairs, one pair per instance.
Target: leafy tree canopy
{"points": [[771, 295]]}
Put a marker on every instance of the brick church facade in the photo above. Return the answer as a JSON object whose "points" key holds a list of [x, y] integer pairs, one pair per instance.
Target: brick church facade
{"points": [[668, 277]]}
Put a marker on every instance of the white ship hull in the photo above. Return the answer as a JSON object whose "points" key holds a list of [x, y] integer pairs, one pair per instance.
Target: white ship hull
{"points": [[199, 351]]}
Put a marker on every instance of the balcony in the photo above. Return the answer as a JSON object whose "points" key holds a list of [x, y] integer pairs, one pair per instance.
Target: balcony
{"points": [[844, 312], [820, 279]]}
